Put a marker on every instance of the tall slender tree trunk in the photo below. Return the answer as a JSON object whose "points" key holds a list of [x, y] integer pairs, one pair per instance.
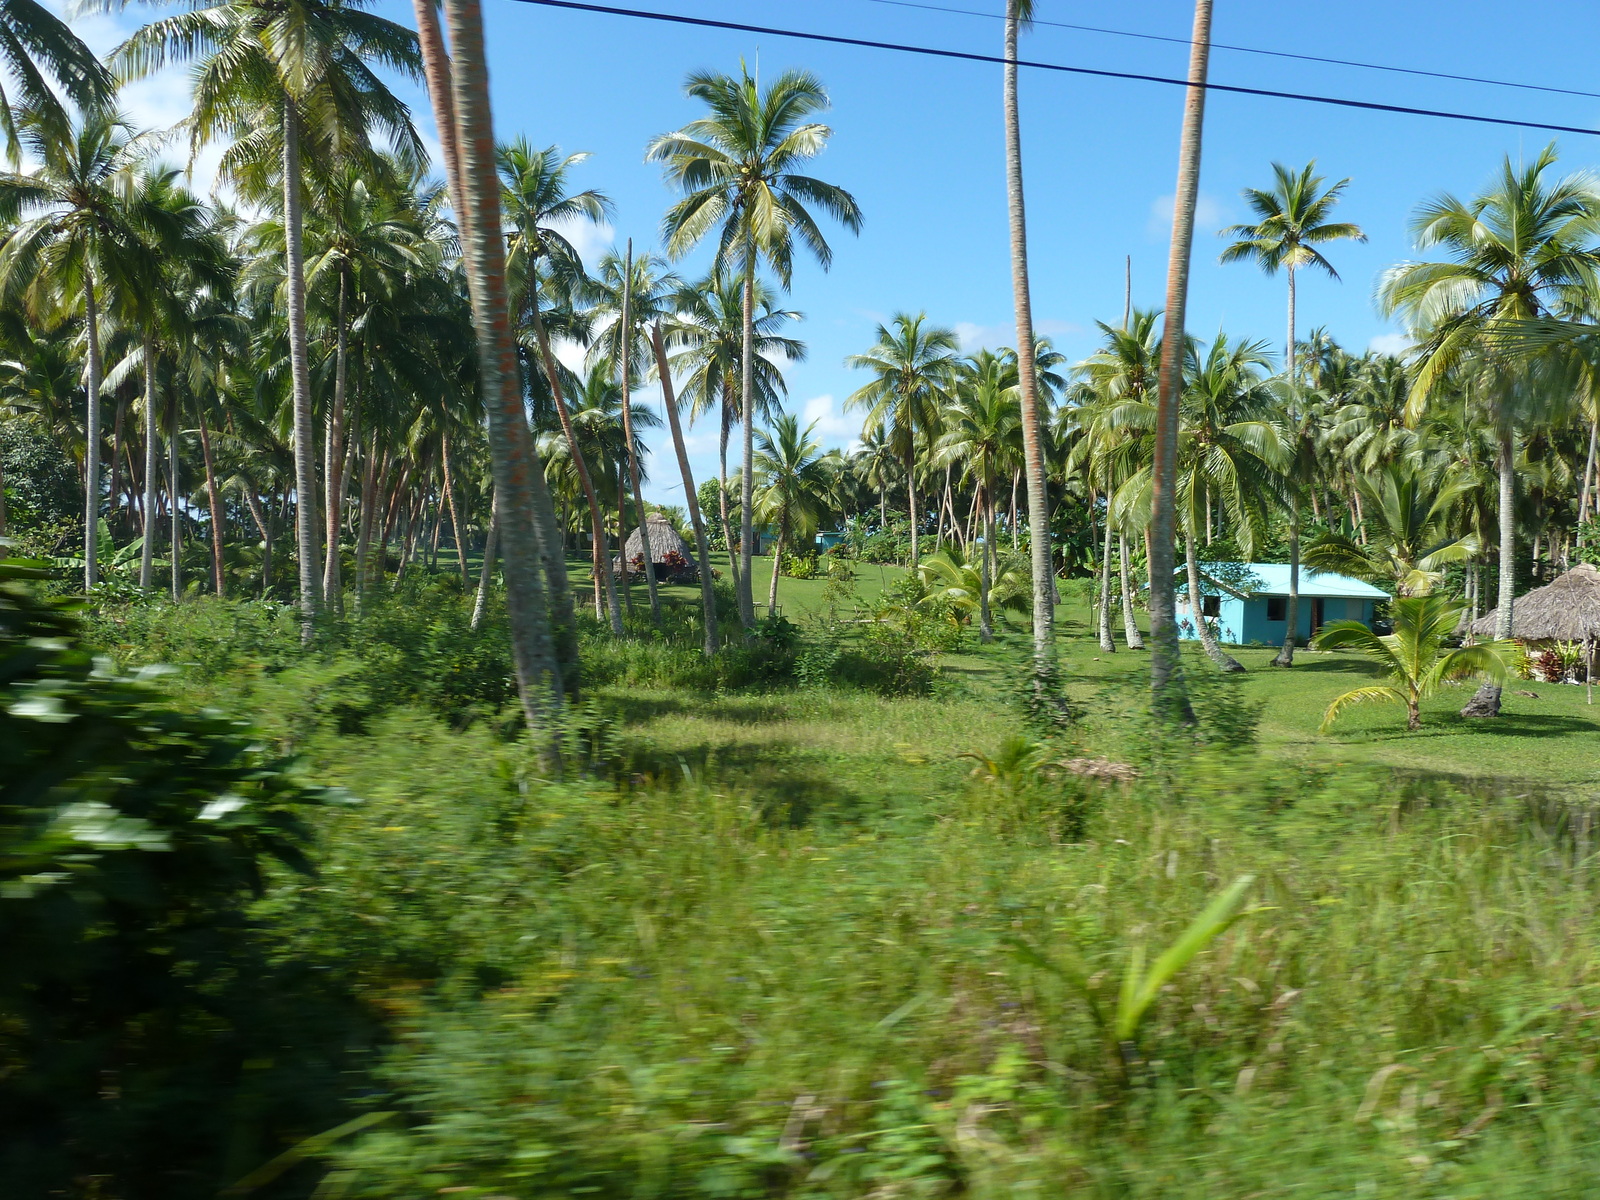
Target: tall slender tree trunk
{"points": [[1130, 625], [518, 473], [152, 440], [333, 451], [722, 503], [1285, 656], [1103, 605], [263, 520], [1168, 694], [112, 498], [372, 480], [305, 463], [747, 385], [1486, 702], [985, 617], [911, 498], [702, 547], [627, 435], [177, 509], [777, 563], [1587, 492], [91, 432], [1208, 639], [1027, 376], [219, 579], [457, 529], [606, 588], [480, 603]]}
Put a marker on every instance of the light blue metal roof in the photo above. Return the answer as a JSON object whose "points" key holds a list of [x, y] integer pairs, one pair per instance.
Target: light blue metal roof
{"points": [[1274, 579]]}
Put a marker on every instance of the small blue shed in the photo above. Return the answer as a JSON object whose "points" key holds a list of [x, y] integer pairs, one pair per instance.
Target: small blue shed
{"points": [[1258, 612]]}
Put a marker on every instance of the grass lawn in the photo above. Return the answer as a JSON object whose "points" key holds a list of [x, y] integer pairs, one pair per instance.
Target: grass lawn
{"points": [[1547, 734]]}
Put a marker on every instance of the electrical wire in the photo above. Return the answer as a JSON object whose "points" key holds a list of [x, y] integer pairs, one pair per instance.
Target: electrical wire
{"points": [[970, 56], [1313, 58]]}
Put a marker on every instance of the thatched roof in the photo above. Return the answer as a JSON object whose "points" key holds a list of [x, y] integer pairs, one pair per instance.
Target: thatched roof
{"points": [[1566, 609], [664, 539]]}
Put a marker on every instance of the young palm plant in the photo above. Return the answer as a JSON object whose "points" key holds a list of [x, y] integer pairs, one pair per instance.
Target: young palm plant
{"points": [[1414, 656], [793, 487]]}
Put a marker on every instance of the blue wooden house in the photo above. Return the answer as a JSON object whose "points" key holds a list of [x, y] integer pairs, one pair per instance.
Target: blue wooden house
{"points": [[1259, 613]]}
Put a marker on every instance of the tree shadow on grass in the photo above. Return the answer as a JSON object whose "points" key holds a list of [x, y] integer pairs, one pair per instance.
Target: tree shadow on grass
{"points": [[1506, 725], [787, 787]]}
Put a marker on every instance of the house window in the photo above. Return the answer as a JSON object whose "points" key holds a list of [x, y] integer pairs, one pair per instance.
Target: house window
{"points": [[1211, 606], [1277, 608]]}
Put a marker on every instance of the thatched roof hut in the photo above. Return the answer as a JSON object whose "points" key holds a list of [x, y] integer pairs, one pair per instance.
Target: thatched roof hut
{"points": [[1564, 610], [670, 553]]}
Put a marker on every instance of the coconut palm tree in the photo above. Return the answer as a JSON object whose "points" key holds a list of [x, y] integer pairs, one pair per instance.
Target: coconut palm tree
{"points": [[38, 50], [1515, 253], [536, 200], [984, 430], [1293, 223], [914, 365], [738, 169], [518, 474], [708, 329], [1411, 514], [85, 234], [1019, 16], [1168, 697], [793, 486], [284, 101], [1414, 656]]}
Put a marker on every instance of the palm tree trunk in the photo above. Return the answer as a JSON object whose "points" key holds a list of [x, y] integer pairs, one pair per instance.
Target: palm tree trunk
{"points": [[985, 617], [333, 453], [1208, 639], [1016, 482], [777, 563], [1587, 492], [116, 463], [702, 547], [1103, 605], [1486, 702], [457, 529], [518, 473], [480, 603], [258, 513], [605, 587], [371, 492], [305, 463], [177, 510], [1130, 626], [1027, 379], [722, 502], [747, 603], [91, 432], [1285, 656], [1168, 694], [151, 440], [627, 436], [214, 505], [911, 500]]}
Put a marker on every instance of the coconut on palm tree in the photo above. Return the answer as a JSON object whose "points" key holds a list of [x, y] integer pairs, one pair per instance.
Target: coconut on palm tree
{"points": [[738, 167], [1414, 657], [1511, 255], [1293, 222]]}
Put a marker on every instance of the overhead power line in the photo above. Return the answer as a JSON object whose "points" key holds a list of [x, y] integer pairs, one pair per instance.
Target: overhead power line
{"points": [[1314, 58], [970, 56]]}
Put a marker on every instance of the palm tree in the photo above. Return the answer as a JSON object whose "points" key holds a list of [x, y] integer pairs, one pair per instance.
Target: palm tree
{"points": [[283, 101], [914, 365], [1412, 518], [1019, 16], [1293, 223], [1414, 656], [708, 325], [536, 200], [1168, 696], [737, 167], [1515, 254], [38, 50], [86, 232], [794, 482], [984, 431], [518, 473]]}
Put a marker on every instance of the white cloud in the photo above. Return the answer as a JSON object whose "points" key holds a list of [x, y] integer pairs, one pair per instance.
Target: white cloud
{"points": [[1210, 214], [591, 241], [1390, 343], [831, 426], [973, 336]]}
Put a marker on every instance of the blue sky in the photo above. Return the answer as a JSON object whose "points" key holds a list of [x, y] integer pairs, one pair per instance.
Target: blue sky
{"points": [[918, 141]]}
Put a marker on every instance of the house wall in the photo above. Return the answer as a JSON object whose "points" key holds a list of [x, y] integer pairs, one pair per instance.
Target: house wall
{"points": [[1244, 622]]}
